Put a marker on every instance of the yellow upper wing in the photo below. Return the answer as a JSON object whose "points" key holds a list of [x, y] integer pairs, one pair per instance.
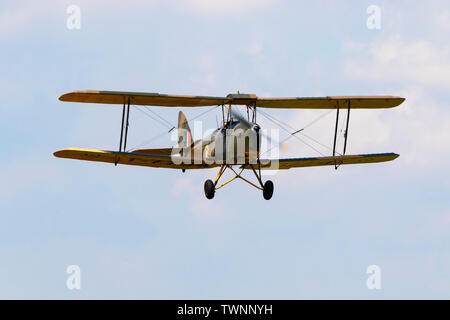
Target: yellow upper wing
{"points": [[166, 100], [141, 98], [356, 102]]}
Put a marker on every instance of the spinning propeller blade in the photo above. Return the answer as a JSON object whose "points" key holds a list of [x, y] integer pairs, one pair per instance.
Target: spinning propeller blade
{"points": [[257, 128]]}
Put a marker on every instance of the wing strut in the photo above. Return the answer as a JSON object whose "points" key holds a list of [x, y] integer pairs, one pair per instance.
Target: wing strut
{"points": [[125, 124], [346, 128], [345, 132]]}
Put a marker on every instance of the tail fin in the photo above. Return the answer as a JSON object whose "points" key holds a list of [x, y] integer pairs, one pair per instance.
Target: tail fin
{"points": [[184, 132]]}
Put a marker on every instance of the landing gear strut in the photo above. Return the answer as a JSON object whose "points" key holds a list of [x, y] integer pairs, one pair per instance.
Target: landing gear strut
{"points": [[210, 187]]}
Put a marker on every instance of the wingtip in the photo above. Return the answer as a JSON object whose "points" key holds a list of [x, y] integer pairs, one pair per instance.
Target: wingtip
{"points": [[69, 96], [61, 153], [402, 99], [63, 97], [57, 153], [396, 101]]}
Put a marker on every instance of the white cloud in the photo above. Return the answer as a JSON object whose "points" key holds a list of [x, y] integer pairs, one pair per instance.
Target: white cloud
{"points": [[20, 17], [224, 7], [443, 20], [23, 15], [419, 127], [422, 130], [416, 62], [190, 189], [20, 178], [254, 48]]}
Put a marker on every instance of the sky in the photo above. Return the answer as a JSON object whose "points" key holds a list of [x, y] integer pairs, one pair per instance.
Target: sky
{"points": [[148, 233]]}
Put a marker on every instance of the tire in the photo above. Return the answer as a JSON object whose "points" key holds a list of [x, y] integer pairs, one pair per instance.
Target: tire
{"points": [[210, 189], [268, 190]]}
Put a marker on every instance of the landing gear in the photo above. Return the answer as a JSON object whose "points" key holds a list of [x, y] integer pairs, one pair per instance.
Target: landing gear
{"points": [[211, 186], [268, 190], [210, 189]]}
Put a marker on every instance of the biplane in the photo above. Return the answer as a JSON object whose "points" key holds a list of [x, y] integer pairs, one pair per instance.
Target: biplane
{"points": [[221, 148]]}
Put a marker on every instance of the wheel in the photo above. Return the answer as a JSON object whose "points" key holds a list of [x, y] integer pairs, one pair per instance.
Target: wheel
{"points": [[268, 190], [210, 189]]}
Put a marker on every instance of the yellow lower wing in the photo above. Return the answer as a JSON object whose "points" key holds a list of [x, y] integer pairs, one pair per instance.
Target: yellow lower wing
{"points": [[325, 161], [166, 161], [129, 158]]}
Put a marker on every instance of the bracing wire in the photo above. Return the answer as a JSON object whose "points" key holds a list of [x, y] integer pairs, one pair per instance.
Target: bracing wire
{"points": [[295, 131], [162, 122], [155, 119], [157, 115], [290, 133], [154, 138], [318, 142], [317, 119], [203, 113]]}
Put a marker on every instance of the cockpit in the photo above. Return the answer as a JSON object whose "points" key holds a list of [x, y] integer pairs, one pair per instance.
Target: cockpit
{"points": [[231, 124]]}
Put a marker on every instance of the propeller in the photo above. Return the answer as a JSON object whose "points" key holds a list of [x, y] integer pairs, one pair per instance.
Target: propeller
{"points": [[257, 129]]}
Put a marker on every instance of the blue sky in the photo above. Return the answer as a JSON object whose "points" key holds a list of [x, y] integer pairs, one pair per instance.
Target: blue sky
{"points": [[150, 233]]}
